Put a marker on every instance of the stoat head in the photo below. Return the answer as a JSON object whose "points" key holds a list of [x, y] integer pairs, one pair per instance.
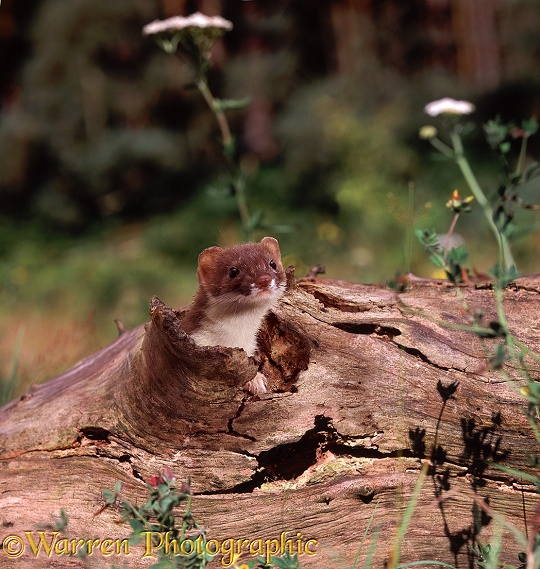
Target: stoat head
{"points": [[243, 277]]}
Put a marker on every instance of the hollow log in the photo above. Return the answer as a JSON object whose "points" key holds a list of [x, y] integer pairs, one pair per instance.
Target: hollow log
{"points": [[367, 386]]}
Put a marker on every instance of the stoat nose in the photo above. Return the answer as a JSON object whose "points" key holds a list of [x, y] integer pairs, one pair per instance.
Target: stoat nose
{"points": [[263, 281]]}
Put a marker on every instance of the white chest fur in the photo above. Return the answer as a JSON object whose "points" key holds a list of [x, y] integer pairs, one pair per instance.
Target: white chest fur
{"points": [[224, 326]]}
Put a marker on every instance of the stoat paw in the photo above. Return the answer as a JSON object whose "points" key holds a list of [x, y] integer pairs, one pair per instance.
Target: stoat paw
{"points": [[257, 385]]}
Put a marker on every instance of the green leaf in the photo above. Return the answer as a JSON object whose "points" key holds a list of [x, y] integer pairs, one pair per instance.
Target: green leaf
{"points": [[225, 104], [502, 275], [530, 126], [495, 132], [429, 240], [458, 255], [62, 522], [135, 539], [512, 231], [168, 503], [494, 330], [168, 45], [532, 171], [518, 473], [109, 496], [438, 261], [136, 525], [504, 147], [497, 360]]}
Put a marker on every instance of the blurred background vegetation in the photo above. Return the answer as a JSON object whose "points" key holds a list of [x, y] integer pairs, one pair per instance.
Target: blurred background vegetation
{"points": [[112, 179]]}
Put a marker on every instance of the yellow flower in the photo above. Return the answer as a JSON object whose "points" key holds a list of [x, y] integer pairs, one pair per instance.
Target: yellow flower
{"points": [[457, 205], [427, 131]]}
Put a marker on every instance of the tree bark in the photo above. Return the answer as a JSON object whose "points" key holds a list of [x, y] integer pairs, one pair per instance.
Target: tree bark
{"points": [[367, 386]]}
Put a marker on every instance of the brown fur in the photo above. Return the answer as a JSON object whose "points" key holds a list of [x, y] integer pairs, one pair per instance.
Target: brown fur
{"points": [[231, 309]]}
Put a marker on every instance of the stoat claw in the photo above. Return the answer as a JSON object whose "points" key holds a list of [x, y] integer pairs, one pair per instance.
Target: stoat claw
{"points": [[257, 385]]}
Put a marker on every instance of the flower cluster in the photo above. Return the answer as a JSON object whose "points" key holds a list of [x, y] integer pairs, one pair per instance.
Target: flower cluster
{"points": [[458, 204], [448, 106], [213, 24], [166, 477], [197, 32]]}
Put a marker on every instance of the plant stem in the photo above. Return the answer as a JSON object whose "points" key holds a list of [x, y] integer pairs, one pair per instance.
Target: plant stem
{"points": [[227, 140], [223, 123], [505, 254], [360, 548], [522, 157], [409, 229], [239, 185], [449, 234], [509, 338], [186, 515], [395, 553], [442, 147]]}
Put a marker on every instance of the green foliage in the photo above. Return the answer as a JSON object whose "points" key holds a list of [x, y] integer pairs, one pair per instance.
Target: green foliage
{"points": [[286, 561], [501, 138], [452, 262], [59, 524], [32, 272], [156, 518], [488, 557], [504, 276], [499, 216], [228, 104], [503, 351], [81, 147]]}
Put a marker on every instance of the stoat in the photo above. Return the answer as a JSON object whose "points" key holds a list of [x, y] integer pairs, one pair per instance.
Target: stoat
{"points": [[237, 287]]}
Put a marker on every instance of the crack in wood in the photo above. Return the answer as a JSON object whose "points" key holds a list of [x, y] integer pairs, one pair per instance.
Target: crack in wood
{"points": [[290, 461], [388, 332], [94, 433], [421, 356], [368, 328]]}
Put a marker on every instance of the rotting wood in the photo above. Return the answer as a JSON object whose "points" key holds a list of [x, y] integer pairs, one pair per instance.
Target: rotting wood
{"points": [[367, 384]]}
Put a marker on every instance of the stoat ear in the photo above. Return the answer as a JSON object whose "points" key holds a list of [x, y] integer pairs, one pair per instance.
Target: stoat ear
{"points": [[272, 245], [208, 261]]}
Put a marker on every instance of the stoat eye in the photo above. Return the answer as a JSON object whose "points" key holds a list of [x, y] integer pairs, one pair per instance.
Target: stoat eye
{"points": [[273, 265], [233, 272]]}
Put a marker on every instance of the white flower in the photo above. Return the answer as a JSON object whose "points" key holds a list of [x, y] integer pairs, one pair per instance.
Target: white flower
{"points": [[448, 106], [179, 23]]}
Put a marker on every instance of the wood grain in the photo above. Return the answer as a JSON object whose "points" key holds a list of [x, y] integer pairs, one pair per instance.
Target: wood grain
{"points": [[367, 385]]}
